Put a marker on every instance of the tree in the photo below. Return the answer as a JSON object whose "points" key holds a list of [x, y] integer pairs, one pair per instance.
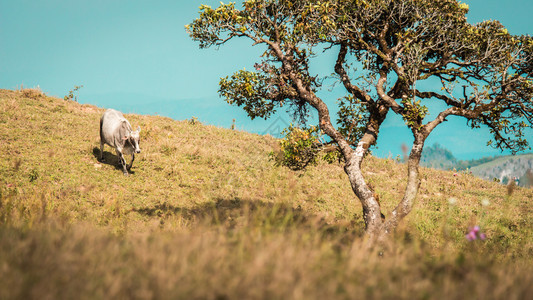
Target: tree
{"points": [[483, 72]]}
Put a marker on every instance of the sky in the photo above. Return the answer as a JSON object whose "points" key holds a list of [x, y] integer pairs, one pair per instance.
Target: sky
{"points": [[135, 56]]}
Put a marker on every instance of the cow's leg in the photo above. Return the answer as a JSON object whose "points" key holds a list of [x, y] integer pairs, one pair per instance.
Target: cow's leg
{"points": [[101, 150], [124, 165], [122, 162], [131, 163]]}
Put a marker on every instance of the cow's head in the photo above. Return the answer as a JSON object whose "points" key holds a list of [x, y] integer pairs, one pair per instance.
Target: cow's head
{"points": [[134, 138]]}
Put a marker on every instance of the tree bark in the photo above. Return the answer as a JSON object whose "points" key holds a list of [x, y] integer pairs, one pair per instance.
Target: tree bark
{"points": [[353, 158], [371, 207], [411, 190]]}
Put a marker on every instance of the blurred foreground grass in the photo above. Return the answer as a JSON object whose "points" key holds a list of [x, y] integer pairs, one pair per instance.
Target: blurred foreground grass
{"points": [[206, 215]]}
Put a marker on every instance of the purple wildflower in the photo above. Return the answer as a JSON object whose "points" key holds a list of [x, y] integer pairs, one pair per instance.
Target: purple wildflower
{"points": [[471, 236], [475, 233]]}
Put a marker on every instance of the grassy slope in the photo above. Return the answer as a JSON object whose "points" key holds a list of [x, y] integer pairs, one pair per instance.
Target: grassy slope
{"points": [[503, 159], [500, 161], [207, 215]]}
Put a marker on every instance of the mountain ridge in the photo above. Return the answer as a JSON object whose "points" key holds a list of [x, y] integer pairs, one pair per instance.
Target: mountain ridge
{"points": [[499, 168]]}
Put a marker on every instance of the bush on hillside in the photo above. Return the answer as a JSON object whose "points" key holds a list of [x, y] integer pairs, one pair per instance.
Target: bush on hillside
{"points": [[299, 148]]}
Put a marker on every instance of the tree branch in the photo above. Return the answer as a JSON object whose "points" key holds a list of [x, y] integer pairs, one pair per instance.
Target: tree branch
{"points": [[339, 69]]}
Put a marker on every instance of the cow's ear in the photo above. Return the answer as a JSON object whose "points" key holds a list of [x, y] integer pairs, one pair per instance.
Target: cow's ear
{"points": [[139, 129]]}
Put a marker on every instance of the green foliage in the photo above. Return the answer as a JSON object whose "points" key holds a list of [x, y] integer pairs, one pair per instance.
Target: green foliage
{"points": [[250, 90], [299, 148], [400, 44], [422, 31], [194, 121], [72, 94], [352, 118], [207, 29], [332, 156], [271, 86], [34, 175], [415, 40], [414, 113]]}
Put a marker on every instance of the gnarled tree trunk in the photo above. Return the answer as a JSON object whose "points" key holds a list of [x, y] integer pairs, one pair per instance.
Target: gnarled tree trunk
{"points": [[411, 190]]}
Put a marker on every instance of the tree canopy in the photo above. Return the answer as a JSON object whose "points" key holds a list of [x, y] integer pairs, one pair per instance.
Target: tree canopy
{"points": [[478, 71]]}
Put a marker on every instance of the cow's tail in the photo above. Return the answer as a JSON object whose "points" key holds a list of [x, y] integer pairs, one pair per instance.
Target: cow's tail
{"points": [[101, 132]]}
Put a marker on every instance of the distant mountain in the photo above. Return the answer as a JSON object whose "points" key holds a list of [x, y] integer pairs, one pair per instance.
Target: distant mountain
{"points": [[505, 168], [501, 168], [438, 157]]}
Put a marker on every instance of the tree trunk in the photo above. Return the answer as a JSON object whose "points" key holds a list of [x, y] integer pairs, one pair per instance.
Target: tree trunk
{"points": [[413, 183], [378, 112], [371, 208], [376, 229]]}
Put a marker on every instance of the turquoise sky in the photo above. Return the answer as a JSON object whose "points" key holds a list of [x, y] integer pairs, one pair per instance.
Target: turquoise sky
{"points": [[136, 56]]}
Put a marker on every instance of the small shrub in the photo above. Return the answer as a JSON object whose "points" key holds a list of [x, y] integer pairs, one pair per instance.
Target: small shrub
{"points": [[34, 175], [332, 156], [33, 93], [193, 121], [71, 94], [299, 148]]}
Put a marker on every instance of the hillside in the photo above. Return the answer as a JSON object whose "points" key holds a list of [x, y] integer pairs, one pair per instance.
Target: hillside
{"points": [[438, 157], [501, 168], [506, 168], [207, 215]]}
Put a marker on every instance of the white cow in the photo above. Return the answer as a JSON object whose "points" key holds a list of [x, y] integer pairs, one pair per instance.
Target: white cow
{"points": [[116, 131]]}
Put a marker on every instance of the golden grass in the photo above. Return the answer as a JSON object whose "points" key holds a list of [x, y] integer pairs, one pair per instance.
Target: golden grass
{"points": [[206, 215]]}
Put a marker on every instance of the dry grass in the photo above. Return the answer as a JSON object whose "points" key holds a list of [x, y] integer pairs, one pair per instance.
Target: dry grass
{"points": [[206, 215], [214, 262]]}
